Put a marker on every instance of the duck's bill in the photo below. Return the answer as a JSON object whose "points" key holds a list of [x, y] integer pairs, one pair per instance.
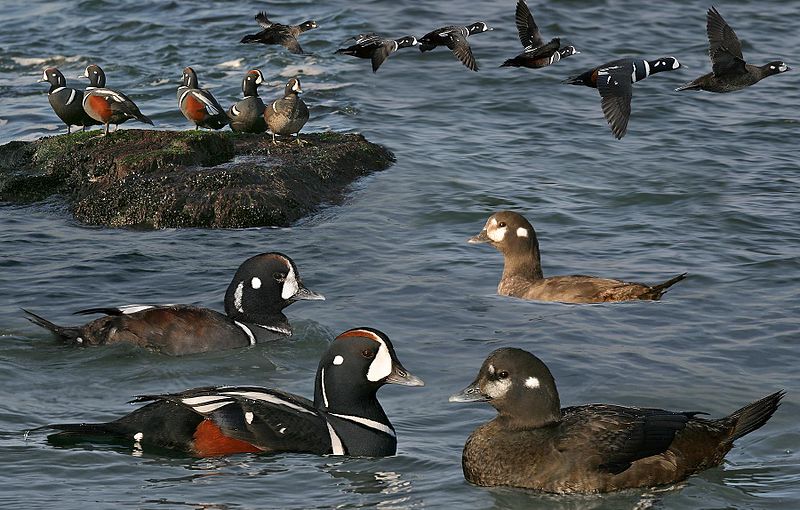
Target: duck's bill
{"points": [[482, 237], [403, 377], [308, 295], [471, 393]]}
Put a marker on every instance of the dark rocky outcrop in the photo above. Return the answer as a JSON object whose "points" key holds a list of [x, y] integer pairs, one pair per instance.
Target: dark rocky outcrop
{"points": [[161, 179]]}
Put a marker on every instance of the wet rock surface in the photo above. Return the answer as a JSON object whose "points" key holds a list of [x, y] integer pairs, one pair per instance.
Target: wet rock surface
{"points": [[164, 179]]}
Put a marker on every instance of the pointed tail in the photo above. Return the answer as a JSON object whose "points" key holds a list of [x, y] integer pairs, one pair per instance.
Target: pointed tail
{"points": [[754, 415], [661, 288], [67, 334], [688, 86]]}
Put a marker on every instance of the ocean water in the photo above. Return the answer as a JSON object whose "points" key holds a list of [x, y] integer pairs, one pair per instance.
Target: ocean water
{"points": [[705, 184]]}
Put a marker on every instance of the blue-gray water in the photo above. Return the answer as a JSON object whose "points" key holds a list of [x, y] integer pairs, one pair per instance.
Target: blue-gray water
{"points": [[702, 183]]}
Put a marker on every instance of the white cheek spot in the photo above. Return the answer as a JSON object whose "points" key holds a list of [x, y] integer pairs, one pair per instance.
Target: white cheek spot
{"points": [[496, 389], [248, 417], [493, 222], [259, 79], [255, 282], [381, 366], [138, 437], [497, 234], [522, 232], [675, 64], [44, 76], [290, 285], [237, 297], [532, 383], [338, 360]]}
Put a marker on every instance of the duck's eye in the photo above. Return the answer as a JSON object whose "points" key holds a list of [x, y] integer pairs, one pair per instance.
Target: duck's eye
{"points": [[501, 224], [367, 353], [502, 374], [279, 277]]}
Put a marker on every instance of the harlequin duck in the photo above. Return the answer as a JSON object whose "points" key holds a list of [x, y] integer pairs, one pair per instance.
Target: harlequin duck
{"points": [[275, 33], [536, 53], [247, 116], [288, 115], [345, 417], [455, 38], [66, 101], [730, 72], [512, 235], [533, 443], [377, 48], [614, 81], [199, 105], [108, 106], [261, 288]]}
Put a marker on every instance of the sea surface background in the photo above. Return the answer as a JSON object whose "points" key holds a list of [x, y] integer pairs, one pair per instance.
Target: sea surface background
{"points": [[705, 184]]}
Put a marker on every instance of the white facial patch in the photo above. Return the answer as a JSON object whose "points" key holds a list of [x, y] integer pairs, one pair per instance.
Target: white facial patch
{"points": [[675, 63], [491, 369], [86, 73], [497, 234], [381, 366], [259, 78], [338, 360], [532, 383], [522, 232], [296, 86], [498, 388], [237, 297], [138, 437], [44, 75], [783, 68], [290, 285], [248, 417], [255, 282]]}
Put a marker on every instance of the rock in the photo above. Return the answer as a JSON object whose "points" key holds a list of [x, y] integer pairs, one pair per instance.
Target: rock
{"points": [[163, 179]]}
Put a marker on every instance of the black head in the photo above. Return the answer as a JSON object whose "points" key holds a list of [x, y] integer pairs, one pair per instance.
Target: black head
{"points": [[189, 78], [568, 51], [357, 363], [97, 78], [292, 87], [308, 25], [478, 27], [54, 77], [664, 64], [775, 67], [519, 385], [251, 81], [507, 231], [263, 286], [407, 41]]}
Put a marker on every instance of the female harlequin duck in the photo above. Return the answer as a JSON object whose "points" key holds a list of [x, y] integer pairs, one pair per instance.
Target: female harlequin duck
{"points": [[199, 105], [730, 72], [345, 417], [261, 288], [377, 48], [515, 238], [535, 444], [536, 53], [247, 116], [66, 102], [455, 38], [275, 33], [614, 81], [288, 115], [105, 105]]}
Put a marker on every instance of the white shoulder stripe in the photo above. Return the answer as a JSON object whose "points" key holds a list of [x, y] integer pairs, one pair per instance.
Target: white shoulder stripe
{"points": [[269, 398], [336, 443], [247, 332], [59, 89], [204, 399], [72, 96], [211, 407], [372, 424], [212, 109]]}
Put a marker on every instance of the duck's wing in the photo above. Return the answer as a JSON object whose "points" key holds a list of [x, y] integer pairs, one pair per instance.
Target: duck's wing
{"points": [[528, 32], [460, 47], [616, 91], [262, 20], [724, 47]]}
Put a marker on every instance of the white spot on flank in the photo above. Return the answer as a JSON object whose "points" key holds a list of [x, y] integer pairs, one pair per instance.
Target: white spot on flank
{"points": [[237, 297], [338, 360], [336, 443], [522, 232], [248, 417], [531, 382], [255, 282], [235, 110], [79, 340], [138, 436], [290, 285], [282, 430], [381, 366]]}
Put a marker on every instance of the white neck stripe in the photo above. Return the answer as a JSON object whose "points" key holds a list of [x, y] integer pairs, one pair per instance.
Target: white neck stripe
{"points": [[59, 89], [324, 393], [372, 424]]}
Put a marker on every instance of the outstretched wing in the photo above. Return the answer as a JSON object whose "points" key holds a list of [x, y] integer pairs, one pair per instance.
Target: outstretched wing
{"points": [[380, 54], [529, 34], [262, 20], [461, 49], [724, 47], [614, 85]]}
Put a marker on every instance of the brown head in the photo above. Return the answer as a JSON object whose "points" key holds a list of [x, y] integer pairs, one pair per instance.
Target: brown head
{"points": [[512, 235]]}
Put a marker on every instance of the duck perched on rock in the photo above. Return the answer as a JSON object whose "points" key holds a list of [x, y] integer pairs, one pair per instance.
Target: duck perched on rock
{"points": [[247, 115], [261, 288], [730, 71], [276, 33], [65, 101], [108, 106], [534, 443], [512, 235], [535, 53], [375, 47], [199, 105], [345, 417], [455, 38], [288, 115]]}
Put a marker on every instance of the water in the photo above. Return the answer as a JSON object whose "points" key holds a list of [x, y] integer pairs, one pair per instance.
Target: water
{"points": [[702, 183]]}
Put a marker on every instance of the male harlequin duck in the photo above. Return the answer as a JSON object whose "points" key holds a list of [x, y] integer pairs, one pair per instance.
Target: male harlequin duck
{"points": [[535, 444], [66, 101], [536, 53], [275, 33], [455, 38], [247, 116], [730, 72], [108, 106], [512, 235], [614, 81], [199, 105], [261, 288], [377, 48], [288, 115], [345, 417]]}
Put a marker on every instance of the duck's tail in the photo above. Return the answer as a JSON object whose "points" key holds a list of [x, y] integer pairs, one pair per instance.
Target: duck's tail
{"points": [[752, 416], [69, 335], [688, 86], [658, 290]]}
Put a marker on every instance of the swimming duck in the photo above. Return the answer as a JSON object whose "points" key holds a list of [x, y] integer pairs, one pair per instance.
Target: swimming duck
{"points": [[512, 235]]}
